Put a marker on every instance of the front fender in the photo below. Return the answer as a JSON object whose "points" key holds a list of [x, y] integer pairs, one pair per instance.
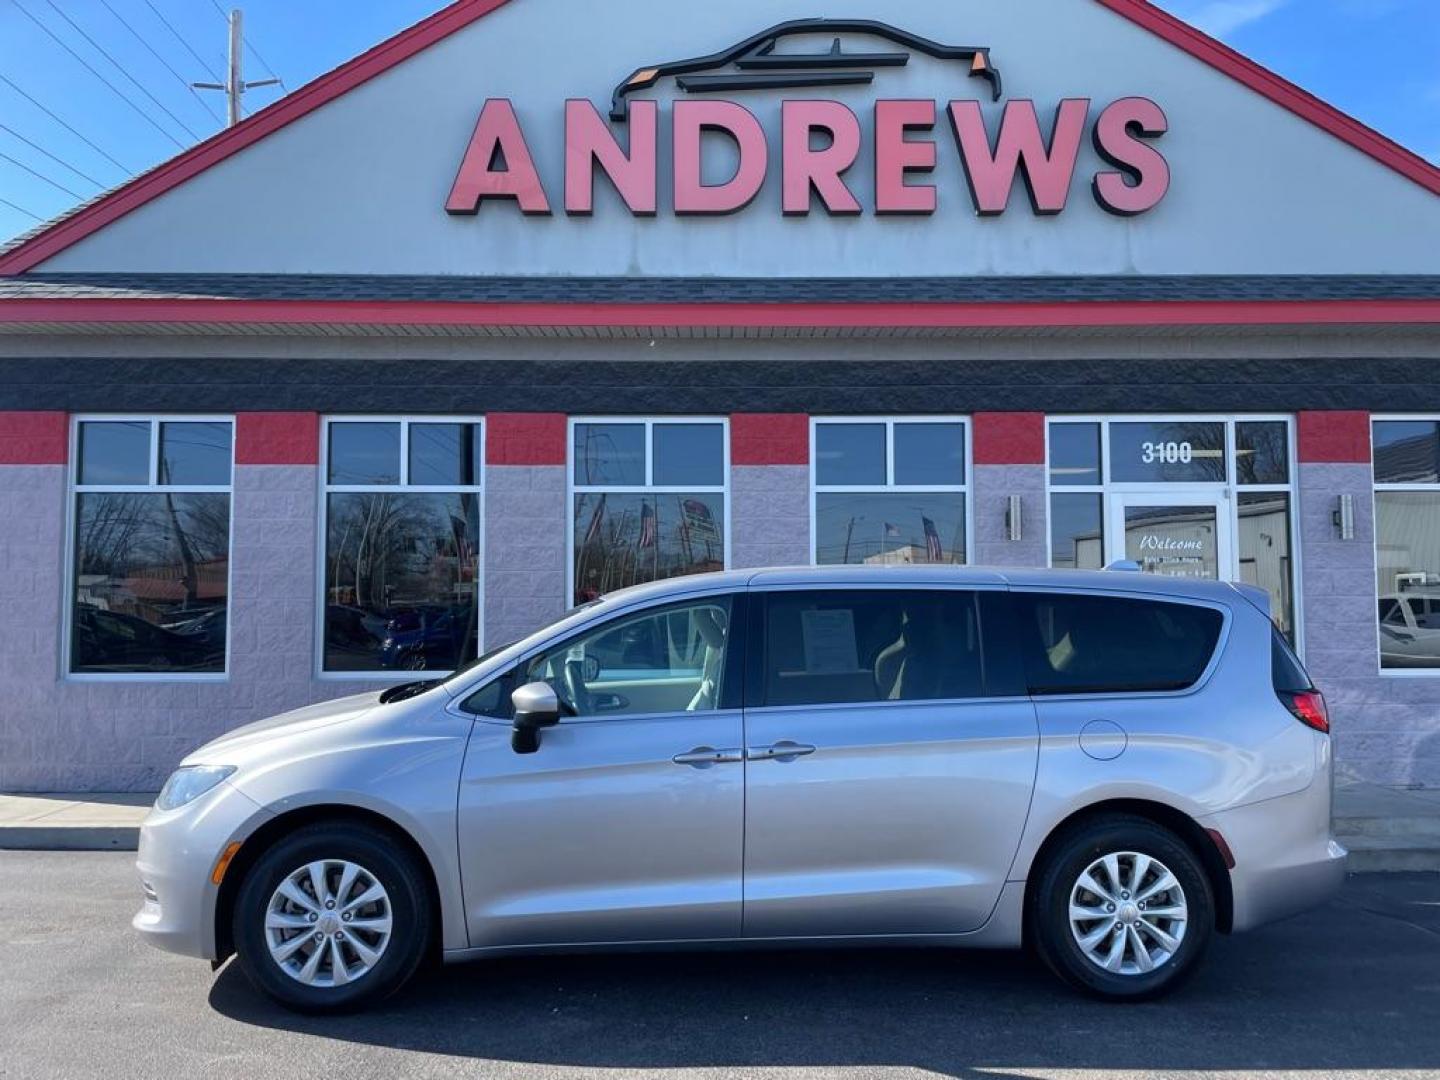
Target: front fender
{"points": [[405, 771]]}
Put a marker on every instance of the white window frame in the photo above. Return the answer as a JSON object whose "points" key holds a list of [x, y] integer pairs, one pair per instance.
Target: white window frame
{"points": [[74, 489], [322, 532], [649, 487], [1375, 489], [1229, 490], [890, 487]]}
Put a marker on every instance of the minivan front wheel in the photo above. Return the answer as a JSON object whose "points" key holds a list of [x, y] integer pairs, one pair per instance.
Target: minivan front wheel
{"points": [[1122, 908], [332, 917]]}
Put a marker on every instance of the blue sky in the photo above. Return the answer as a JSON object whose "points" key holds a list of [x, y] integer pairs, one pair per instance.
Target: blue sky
{"points": [[1377, 59]]}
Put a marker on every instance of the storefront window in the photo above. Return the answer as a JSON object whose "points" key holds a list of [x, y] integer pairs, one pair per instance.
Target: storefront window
{"points": [[649, 502], [1262, 452], [151, 547], [1264, 549], [1075, 455], [402, 545], [1169, 452], [1187, 497], [1407, 543], [890, 492], [1077, 530]]}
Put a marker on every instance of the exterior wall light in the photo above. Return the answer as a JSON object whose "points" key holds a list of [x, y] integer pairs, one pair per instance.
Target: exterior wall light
{"points": [[1344, 517], [1014, 521]]}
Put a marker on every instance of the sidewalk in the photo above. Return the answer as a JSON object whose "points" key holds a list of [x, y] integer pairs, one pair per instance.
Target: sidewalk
{"points": [[1386, 829], [78, 822]]}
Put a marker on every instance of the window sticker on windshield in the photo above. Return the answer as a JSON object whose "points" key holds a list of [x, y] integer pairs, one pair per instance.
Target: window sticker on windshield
{"points": [[829, 641]]}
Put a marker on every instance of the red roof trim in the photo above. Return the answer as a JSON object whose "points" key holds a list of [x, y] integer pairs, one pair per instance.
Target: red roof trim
{"points": [[855, 316], [462, 13], [1279, 90], [217, 148]]}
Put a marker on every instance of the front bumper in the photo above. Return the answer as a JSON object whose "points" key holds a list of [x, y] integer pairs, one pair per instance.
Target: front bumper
{"points": [[178, 852], [1286, 861]]}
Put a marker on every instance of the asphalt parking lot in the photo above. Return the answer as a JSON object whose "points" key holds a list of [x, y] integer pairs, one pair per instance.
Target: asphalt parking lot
{"points": [[1352, 989]]}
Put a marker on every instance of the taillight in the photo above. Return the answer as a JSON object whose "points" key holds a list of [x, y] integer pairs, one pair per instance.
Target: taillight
{"points": [[1308, 706]]}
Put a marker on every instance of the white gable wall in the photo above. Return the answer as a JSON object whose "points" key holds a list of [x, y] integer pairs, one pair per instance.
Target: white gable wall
{"points": [[359, 185]]}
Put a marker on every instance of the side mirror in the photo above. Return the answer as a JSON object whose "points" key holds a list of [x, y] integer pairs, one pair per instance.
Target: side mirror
{"points": [[536, 707]]}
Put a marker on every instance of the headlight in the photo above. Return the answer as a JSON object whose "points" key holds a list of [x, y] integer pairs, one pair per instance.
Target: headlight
{"points": [[188, 784]]}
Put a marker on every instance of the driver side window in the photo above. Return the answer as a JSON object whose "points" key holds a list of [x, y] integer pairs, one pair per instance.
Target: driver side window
{"points": [[664, 660]]}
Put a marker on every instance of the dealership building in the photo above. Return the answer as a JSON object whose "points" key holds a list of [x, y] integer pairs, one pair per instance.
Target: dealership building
{"points": [[537, 300]]}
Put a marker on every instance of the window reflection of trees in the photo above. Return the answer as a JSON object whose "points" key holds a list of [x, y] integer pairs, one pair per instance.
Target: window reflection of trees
{"points": [[158, 558], [387, 547], [405, 566]]}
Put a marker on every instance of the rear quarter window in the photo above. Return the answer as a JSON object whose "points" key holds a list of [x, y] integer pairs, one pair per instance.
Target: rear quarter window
{"points": [[1288, 673], [1075, 643]]}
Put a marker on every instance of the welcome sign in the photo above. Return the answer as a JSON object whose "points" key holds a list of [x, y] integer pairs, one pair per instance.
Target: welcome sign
{"points": [[820, 139]]}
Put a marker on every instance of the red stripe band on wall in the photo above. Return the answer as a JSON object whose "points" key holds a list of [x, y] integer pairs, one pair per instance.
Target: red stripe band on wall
{"points": [[769, 439], [34, 438], [1009, 438], [277, 438], [1334, 437], [525, 439]]}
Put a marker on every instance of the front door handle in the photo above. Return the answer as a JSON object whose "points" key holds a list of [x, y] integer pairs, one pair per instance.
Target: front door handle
{"points": [[702, 757], [784, 750]]}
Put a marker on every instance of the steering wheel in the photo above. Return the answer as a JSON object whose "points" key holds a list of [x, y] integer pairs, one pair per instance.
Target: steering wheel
{"points": [[581, 700]]}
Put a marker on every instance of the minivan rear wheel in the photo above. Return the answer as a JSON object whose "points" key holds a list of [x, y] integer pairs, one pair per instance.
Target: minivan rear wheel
{"points": [[1122, 908], [331, 918]]}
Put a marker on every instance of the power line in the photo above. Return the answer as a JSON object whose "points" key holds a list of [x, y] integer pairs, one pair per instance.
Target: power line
{"points": [[20, 209], [212, 71], [90, 68], [253, 51], [122, 69], [181, 78], [52, 157], [40, 176], [63, 124]]}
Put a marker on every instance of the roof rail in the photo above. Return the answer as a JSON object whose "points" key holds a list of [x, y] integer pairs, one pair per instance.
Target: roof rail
{"points": [[1129, 566]]}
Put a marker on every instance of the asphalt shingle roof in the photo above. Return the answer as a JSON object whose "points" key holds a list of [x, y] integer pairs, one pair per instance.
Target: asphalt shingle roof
{"points": [[560, 290]]}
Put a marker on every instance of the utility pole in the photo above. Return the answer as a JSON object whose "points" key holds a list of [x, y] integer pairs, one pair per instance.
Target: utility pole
{"points": [[235, 84]]}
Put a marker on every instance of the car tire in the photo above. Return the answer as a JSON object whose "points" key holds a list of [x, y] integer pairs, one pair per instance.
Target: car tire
{"points": [[353, 946], [1121, 940]]}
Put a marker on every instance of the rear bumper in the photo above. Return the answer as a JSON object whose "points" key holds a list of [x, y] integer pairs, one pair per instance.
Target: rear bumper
{"points": [[1286, 861]]}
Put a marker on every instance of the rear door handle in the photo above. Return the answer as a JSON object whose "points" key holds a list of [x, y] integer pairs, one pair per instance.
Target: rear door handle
{"points": [[702, 757], [784, 750]]}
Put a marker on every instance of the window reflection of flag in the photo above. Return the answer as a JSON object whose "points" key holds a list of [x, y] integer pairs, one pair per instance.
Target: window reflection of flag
{"points": [[464, 548], [933, 551], [597, 520], [647, 526]]}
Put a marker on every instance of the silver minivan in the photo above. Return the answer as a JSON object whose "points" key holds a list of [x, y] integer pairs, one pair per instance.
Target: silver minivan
{"points": [[1108, 767]]}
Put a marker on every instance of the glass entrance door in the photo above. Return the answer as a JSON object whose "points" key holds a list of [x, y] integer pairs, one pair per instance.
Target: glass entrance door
{"points": [[1175, 534]]}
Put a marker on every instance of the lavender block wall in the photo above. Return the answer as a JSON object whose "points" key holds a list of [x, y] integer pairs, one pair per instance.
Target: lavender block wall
{"points": [[993, 484], [59, 734], [1386, 728], [525, 549], [769, 515], [33, 723]]}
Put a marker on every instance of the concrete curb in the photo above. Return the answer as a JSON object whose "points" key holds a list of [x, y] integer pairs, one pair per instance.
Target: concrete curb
{"points": [[69, 837], [72, 821], [1387, 830], [1367, 855]]}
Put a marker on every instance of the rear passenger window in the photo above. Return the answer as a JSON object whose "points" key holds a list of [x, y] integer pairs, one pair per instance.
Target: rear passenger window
{"points": [[830, 647], [1080, 644]]}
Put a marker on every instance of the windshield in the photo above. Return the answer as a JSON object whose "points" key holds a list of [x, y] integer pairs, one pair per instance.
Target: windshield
{"points": [[465, 669]]}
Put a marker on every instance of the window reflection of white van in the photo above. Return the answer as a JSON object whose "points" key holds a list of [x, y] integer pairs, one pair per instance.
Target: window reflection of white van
{"points": [[1410, 630]]}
